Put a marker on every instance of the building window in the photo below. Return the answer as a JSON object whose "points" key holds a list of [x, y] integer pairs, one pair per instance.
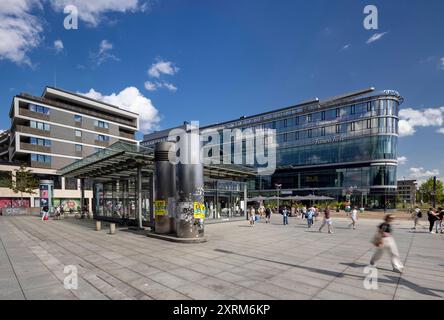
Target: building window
{"points": [[310, 133], [323, 131], [353, 126], [40, 158], [78, 133], [296, 121], [369, 123], [77, 118], [296, 135], [40, 125], [369, 106], [285, 137], [285, 123], [338, 128], [338, 112], [102, 138], [101, 124], [39, 109], [78, 148], [309, 118], [323, 115], [353, 109], [40, 142]]}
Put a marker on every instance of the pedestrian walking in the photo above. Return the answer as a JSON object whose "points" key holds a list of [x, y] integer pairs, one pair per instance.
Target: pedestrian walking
{"points": [[45, 213], [354, 218], [252, 216], [285, 216], [438, 223], [432, 217], [304, 212], [310, 215], [417, 215], [327, 220], [384, 241], [267, 215]]}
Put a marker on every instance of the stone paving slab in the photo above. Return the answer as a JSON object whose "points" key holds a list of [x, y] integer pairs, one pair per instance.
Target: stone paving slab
{"points": [[264, 262]]}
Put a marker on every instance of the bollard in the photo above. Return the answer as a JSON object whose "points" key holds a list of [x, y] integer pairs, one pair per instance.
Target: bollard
{"points": [[98, 225], [112, 228]]}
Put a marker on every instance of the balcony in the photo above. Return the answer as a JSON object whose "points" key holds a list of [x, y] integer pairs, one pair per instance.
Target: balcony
{"points": [[42, 165], [35, 147], [101, 143], [33, 114], [34, 131], [100, 129], [126, 135]]}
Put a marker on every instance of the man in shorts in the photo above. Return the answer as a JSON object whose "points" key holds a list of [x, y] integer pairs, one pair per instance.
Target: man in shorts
{"points": [[327, 220]]}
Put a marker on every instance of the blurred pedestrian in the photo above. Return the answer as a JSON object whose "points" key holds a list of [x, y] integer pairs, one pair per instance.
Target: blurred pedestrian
{"points": [[384, 241], [432, 217], [354, 218], [417, 215], [267, 214], [45, 213], [252, 216], [327, 220], [285, 215], [310, 216]]}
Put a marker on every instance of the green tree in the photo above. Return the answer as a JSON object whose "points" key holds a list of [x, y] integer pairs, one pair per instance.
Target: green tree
{"points": [[24, 182], [426, 189]]}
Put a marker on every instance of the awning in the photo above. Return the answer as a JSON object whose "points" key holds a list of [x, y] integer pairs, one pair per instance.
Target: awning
{"points": [[121, 160]]}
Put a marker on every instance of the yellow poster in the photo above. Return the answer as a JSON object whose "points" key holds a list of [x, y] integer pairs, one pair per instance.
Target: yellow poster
{"points": [[199, 210], [160, 207]]}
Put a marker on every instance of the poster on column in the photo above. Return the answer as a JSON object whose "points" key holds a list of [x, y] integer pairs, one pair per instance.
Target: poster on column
{"points": [[199, 210], [160, 207]]}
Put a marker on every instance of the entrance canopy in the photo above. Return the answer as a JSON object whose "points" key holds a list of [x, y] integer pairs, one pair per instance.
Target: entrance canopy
{"points": [[121, 160]]}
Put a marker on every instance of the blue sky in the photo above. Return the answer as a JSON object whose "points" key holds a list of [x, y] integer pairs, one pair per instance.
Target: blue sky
{"points": [[211, 61]]}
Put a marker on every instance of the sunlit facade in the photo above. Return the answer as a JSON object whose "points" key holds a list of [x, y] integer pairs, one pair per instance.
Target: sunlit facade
{"points": [[342, 146]]}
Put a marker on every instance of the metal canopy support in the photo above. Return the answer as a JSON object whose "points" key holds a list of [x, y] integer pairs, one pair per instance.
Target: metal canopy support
{"points": [[82, 196], [139, 194]]}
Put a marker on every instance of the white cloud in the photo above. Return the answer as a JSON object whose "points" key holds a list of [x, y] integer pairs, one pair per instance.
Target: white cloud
{"points": [[58, 46], [104, 53], [441, 63], [92, 11], [153, 86], [169, 86], [411, 118], [402, 160], [162, 67], [150, 86], [346, 46], [20, 31], [440, 130], [131, 99], [421, 174], [376, 37]]}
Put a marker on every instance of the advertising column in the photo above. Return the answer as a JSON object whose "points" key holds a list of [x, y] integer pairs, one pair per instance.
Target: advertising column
{"points": [[46, 188]]}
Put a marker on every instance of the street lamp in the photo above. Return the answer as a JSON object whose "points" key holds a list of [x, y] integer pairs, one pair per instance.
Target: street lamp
{"points": [[278, 187]]}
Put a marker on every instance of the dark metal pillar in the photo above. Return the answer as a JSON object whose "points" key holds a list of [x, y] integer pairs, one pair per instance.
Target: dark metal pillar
{"points": [[139, 194], [165, 189]]}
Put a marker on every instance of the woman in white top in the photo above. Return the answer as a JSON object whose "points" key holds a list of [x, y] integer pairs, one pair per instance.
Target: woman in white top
{"points": [[354, 218]]}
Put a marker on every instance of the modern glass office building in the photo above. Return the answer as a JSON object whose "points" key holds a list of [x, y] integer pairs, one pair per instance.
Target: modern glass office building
{"points": [[340, 147]]}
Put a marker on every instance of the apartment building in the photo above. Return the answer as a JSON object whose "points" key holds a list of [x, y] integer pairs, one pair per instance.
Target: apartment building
{"points": [[56, 129]]}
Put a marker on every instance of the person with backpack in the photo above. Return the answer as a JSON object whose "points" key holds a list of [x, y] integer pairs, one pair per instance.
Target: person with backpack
{"points": [[285, 215], [304, 212], [384, 241], [417, 215]]}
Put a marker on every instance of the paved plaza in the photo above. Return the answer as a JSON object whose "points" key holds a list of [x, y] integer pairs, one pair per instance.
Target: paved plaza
{"points": [[268, 261]]}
